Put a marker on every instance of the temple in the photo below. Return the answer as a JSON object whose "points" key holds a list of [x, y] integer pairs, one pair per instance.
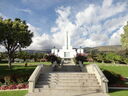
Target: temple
{"points": [[67, 51]]}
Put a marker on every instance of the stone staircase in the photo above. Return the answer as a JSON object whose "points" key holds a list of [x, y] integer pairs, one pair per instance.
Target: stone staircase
{"points": [[66, 84], [67, 81]]}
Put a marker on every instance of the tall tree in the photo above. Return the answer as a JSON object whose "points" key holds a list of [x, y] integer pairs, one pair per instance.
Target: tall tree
{"points": [[124, 37], [23, 55], [14, 34]]}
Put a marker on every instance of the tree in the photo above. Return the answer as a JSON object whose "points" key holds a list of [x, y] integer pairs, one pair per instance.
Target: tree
{"points": [[23, 55], [101, 57], [124, 37], [14, 34], [2, 56], [37, 56], [113, 57]]}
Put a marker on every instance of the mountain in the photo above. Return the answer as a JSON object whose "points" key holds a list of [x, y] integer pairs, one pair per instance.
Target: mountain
{"points": [[111, 48], [38, 51]]}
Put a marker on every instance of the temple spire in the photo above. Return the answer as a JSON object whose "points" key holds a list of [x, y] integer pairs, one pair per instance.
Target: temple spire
{"points": [[67, 40]]}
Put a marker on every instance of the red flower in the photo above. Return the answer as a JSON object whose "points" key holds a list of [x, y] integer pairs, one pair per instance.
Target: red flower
{"points": [[4, 87], [21, 86], [12, 87]]}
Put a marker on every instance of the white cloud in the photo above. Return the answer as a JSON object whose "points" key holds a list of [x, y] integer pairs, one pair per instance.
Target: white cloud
{"points": [[107, 3], [40, 41], [33, 29], [96, 25], [115, 38], [86, 15], [93, 26]]}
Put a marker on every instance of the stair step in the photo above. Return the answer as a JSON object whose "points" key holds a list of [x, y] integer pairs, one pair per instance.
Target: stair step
{"points": [[72, 93], [67, 89], [77, 77], [66, 73], [60, 92], [66, 85], [67, 82]]}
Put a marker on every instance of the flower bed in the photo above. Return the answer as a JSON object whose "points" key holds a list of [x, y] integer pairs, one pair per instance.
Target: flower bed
{"points": [[14, 86]]}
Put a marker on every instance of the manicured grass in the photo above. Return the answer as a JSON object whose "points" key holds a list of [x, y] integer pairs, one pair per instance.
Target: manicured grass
{"points": [[24, 92], [29, 63], [122, 70], [14, 93], [19, 68], [118, 93]]}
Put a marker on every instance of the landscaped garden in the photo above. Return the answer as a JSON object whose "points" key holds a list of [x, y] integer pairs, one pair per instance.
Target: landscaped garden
{"points": [[19, 69], [17, 77]]}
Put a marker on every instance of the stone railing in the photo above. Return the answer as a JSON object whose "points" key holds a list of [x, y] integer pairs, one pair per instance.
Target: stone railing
{"points": [[34, 77], [103, 81]]}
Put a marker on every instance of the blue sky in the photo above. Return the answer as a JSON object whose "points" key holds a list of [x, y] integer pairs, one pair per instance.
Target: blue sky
{"points": [[90, 22]]}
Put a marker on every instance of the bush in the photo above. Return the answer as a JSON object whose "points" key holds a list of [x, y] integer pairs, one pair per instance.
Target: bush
{"points": [[126, 60], [52, 58], [21, 78], [13, 79], [80, 57], [9, 79]]}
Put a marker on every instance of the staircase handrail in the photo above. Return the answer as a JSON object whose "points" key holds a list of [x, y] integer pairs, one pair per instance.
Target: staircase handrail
{"points": [[34, 77], [103, 81]]}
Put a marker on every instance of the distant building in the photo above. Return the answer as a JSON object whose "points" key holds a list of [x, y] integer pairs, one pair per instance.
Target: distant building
{"points": [[67, 51]]}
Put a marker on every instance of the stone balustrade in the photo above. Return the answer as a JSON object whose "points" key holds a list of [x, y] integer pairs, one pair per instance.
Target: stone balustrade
{"points": [[34, 77], [103, 81]]}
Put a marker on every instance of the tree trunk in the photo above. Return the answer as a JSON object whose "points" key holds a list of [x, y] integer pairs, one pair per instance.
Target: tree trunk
{"points": [[26, 64], [9, 61]]}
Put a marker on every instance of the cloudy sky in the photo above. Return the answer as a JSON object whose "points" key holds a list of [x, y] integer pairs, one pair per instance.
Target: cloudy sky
{"points": [[90, 22]]}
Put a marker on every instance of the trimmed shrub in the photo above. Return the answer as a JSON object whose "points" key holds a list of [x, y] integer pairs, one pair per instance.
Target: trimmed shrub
{"points": [[8, 79]]}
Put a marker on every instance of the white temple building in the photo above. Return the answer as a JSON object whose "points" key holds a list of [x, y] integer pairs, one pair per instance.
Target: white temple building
{"points": [[67, 51]]}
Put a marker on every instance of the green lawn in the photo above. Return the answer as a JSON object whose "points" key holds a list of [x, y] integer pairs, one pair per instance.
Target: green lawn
{"points": [[122, 70], [23, 92], [19, 68], [118, 93], [13, 93]]}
